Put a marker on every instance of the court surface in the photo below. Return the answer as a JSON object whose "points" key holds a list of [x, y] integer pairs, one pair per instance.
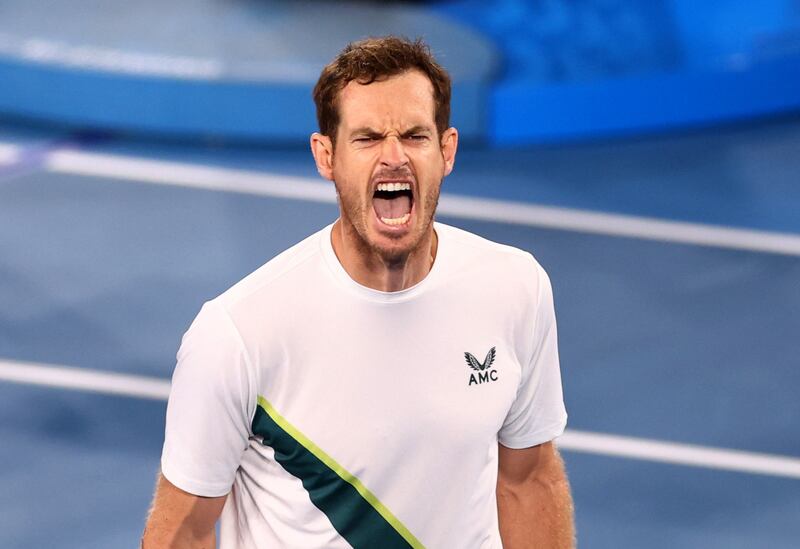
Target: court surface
{"points": [[675, 263]]}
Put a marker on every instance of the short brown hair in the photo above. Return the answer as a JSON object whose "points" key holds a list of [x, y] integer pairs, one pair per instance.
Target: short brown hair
{"points": [[371, 59]]}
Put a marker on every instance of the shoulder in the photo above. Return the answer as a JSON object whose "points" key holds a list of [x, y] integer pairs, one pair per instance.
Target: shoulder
{"points": [[500, 261], [275, 275], [252, 310]]}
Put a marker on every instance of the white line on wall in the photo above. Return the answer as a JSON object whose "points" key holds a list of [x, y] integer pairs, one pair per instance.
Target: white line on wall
{"points": [[40, 50], [198, 176], [62, 377]]}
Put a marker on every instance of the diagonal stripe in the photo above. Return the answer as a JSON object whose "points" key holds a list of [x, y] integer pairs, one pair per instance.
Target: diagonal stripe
{"points": [[356, 513]]}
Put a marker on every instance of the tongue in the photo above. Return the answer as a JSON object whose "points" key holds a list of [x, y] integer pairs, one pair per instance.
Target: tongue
{"points": [[392, 208]]}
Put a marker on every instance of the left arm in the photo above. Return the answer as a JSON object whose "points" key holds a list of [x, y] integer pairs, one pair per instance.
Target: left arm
{"points": [[533, 499]]}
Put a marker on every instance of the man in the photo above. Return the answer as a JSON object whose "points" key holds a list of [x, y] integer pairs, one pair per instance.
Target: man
{"points": [[336, 397]]}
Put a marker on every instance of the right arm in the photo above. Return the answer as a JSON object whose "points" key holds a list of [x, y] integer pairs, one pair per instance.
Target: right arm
{"points": [[180, 520]]}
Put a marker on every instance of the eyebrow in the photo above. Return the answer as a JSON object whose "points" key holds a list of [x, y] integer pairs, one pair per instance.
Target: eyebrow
{"points": [[416, 129], [372, 132], [366, 130]]}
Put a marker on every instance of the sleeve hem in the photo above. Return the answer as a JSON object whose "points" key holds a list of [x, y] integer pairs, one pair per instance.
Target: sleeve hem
{"points": [[541, 436], [203, 489]]}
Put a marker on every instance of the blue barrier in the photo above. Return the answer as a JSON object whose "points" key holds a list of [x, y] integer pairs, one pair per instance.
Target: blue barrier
{"points": [[161, 105], [536, 113]]}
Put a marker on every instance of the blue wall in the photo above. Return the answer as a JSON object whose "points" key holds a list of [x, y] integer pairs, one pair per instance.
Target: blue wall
{"points": [[530, 113]]}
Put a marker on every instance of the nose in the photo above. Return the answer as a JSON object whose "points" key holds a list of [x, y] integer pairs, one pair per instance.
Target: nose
{"points": [[393, 155]]}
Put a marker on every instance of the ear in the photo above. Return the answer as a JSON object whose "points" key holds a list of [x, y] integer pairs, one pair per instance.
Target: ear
{"points": [[449, 147], [322, 149]]}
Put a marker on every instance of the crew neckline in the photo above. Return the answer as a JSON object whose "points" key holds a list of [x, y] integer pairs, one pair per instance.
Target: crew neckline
{"points": [[340, 274]]}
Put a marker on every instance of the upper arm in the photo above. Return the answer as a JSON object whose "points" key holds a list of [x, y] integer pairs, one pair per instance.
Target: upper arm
{"points": [[537, 414], [211, 405], [179, 519]]}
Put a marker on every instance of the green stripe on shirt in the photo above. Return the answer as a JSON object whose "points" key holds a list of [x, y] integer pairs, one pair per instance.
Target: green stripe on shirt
{"points": [[355, 512]]}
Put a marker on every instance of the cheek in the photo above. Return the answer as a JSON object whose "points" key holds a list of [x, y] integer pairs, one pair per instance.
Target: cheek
{"points": [[431, 168], [355, 170]]}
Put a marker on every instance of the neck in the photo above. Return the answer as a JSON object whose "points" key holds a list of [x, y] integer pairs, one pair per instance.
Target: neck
{"points": [[369, 268]]}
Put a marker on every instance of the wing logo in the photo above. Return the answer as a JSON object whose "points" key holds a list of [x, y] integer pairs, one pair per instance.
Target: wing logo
{"points": [[484, 372]]}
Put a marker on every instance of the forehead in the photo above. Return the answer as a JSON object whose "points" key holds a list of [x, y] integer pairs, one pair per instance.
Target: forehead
{"points": [[405, 99]]}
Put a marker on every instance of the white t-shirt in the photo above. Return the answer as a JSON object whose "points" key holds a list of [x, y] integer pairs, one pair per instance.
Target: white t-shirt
{"points": [[340, 416]]}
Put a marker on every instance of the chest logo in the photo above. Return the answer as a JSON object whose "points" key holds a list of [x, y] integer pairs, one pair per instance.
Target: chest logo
{"points": [[482, 370]]}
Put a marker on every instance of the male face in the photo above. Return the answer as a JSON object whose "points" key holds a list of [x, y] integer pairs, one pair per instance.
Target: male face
{"points": [[389, 162]]}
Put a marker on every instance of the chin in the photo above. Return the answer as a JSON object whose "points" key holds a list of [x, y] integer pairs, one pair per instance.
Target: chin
{"points": [[391, 247], [397, 253]]}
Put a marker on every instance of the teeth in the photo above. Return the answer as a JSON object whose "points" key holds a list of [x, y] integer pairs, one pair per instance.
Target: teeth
{"points": [[391, 187], [396, 220]]}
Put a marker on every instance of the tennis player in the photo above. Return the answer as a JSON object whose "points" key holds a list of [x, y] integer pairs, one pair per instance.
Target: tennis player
{"points": [[388, 382]]}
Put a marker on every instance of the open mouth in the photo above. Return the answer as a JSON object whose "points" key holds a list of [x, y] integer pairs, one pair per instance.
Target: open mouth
{"points": [[393, 203]]}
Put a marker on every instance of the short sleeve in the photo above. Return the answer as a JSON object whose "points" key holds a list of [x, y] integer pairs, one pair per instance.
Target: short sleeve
{"points": [[209, 408], [538, 414]]}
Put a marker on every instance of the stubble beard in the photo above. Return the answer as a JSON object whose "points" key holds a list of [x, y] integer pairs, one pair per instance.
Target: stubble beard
{"points": [[356, 213]]}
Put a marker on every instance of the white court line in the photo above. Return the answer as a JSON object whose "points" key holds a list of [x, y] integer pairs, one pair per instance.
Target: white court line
{"points": [[9, 154], [81, 379], [301, 188], [182, 174], [577, 441], [680, 454]]}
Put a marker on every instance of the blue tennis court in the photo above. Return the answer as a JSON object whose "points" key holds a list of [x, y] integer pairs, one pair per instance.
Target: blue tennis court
{"points": [[680, 335]]}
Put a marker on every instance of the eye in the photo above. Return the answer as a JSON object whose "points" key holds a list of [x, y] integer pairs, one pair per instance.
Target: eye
{"points": [[418, 137]]}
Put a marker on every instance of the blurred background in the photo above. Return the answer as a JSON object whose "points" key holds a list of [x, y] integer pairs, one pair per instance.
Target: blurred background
{"points": [[647, 153]]}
